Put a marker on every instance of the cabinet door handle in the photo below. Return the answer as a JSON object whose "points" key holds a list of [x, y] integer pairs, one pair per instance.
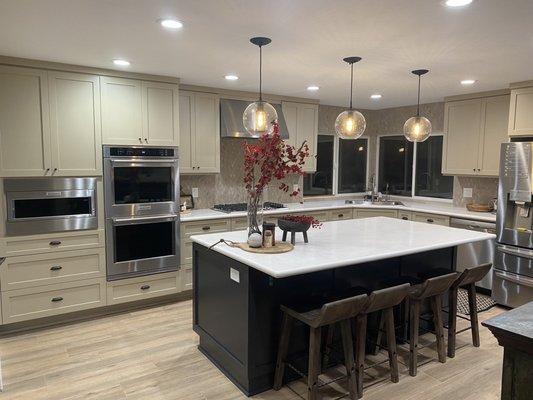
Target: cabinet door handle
{"points": [[55, 242], [206, 228], [146, 140], [198, 167], [430, 220], [405, 218], [341, 215], [56, 268], [145, 287], [140, 140], [56, 299]]}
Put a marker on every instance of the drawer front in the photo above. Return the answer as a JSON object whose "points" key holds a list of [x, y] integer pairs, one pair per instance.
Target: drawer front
{"points": [[239, 224], [431, 219], [338, 215], [186, 278], [407, 216], [197, 228], [45, 269], [186, 251], [375, 213], [37, 244], [45, 301], [142, 288]]}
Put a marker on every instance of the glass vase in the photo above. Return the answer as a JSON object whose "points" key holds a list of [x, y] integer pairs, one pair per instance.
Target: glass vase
{"points": [[255, 213]]}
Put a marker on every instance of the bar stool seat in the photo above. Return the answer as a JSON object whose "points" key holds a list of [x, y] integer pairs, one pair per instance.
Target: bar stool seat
{"points": [[340, 311]]}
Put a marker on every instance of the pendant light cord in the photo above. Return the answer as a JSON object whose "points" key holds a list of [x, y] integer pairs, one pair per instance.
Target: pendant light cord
{"points": [[260, 72], [351, 86], [418, 101]]}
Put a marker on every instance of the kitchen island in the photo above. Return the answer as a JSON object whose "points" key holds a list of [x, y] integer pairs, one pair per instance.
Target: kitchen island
{"points": [[237, 294]]}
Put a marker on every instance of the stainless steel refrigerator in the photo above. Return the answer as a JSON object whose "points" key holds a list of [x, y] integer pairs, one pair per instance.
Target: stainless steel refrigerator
{"points": [[513, 261]]}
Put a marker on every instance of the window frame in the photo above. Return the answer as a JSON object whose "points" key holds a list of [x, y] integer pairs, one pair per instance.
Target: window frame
{"points": [[413, 172]]}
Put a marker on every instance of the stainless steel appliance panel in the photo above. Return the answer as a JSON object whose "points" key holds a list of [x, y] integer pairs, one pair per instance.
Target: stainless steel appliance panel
{"points": [[512, 290], [474, 254], [142, 245], [514, 260], [45, 205]]}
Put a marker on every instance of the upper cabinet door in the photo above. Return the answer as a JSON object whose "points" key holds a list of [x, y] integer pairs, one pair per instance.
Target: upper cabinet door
{"points": [[75, 124], [121, 111], [160, 114], [308, 131], [186, 131], [462, 126], [521, 112], [206, 140], [24, 122], [290, 113], [495, 119]]}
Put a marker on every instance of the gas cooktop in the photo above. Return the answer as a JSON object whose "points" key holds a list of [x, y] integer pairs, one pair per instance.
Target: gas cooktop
{"points": [[234, 207]]}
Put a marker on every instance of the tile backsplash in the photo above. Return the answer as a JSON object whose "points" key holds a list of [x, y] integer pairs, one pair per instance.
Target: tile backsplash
{"points": [[483, 190]]}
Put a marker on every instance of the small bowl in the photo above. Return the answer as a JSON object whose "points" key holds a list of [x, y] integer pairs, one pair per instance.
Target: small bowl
{"points": [[293, 226]]}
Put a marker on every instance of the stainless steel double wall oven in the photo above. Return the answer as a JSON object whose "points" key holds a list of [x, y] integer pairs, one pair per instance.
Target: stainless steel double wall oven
{"points": [[141, 186]]}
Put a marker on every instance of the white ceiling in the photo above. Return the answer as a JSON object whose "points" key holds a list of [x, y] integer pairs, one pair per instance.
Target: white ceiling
{"points": [[490, 41]]}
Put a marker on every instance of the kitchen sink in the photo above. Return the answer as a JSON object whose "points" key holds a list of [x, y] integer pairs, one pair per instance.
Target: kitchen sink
{"points": [[376, 202]]}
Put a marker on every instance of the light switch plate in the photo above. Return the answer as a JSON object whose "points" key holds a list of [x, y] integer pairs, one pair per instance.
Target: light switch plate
{"points": [[195, 192], [234, 275], [467, 192]]}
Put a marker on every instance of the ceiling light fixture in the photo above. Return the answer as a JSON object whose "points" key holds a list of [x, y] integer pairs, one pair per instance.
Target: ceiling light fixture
{"points": [[259, 115], [121, 63], [350, 124], [171, 23], [458, 3], [417, 128], [313, 88], [468, 82], [231, 77], [376, 96]]}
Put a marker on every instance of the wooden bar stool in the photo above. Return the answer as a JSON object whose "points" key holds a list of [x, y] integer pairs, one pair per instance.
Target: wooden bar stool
{"points": [[432, 289], [467, 280], [383, 300], [341, 311]]}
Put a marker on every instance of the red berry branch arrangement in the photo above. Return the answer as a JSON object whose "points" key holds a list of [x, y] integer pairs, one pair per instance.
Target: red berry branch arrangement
{"points": [[304, 219]]}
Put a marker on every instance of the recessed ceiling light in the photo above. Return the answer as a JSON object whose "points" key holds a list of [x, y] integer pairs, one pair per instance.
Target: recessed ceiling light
{"points": [[171, 23], [457, 3], [313, 88], [376, 96], [468, 82], [231, 77], [121, 63]]}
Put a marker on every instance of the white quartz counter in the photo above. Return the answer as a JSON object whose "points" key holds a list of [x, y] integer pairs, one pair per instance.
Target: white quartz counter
{"points": [[433, 207], [343, 243]]}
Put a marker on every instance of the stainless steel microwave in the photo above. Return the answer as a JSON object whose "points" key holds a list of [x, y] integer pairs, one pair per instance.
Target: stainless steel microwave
{"points": [[45, 205]]}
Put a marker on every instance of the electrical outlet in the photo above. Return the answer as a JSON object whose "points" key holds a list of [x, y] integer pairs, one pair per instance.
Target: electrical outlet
{"points": [[195, 192], [467, 192], [295, 187]]}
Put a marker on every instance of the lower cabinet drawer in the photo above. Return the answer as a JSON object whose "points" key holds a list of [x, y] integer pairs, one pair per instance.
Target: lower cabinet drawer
{"points": [[51, 268], [431, 219], [341, 214], [211, 226], [186, 277], [375, 213], [239, 224], [143, 287], [45, 301], [407, 216]]}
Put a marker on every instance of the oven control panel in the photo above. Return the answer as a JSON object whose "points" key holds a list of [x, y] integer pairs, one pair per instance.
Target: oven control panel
{"points": [[142, 152]]}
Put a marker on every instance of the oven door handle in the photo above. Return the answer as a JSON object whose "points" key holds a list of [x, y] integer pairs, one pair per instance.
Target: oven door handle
{"points": [[140, 162], [518, 279], [517, 253], [140, 220]]}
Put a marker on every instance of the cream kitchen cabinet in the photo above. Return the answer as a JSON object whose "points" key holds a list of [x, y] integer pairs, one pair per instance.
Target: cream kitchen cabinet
{"points": [[49, 123], [24, 122], [521, 112], [302, 124], [199, 133], [474, 130], [137, 112]]}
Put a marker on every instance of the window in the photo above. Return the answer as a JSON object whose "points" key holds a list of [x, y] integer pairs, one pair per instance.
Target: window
{"points": [[341, 167], [401, 161]]}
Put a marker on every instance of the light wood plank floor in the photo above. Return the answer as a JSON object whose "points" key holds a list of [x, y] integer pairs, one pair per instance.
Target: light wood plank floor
{"points": [[151, 354]]}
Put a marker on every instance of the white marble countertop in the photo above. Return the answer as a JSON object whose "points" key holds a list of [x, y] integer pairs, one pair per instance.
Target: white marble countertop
{"points": [[343, 243], [435, 207]]}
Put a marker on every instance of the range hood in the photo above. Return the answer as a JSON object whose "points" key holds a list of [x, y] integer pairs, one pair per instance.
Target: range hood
{"points": [[231, 119]]}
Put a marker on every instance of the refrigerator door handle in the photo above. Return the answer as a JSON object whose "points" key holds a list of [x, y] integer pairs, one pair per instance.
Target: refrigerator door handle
{"points": [[518, 279], [515, 252]]}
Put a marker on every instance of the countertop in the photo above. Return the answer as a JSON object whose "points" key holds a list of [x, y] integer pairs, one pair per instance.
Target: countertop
{"points": [[518, 321], [433, 207], [343, 243]]}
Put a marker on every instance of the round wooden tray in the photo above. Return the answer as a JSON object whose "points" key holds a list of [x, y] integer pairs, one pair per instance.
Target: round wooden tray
{"points": [[479, 207], [280, 247]]}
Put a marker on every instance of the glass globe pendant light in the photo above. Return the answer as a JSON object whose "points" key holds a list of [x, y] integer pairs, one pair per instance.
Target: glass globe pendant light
{"points": [[350, 124], [417, 128], [259, 115]]}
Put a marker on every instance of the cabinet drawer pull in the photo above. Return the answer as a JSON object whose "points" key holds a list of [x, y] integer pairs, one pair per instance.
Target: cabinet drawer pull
{"points": [[206, 228], [405, 218], [430, 220], [341, 215], [145, 287], [56, 299], [55, 242], [56, 268]]}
